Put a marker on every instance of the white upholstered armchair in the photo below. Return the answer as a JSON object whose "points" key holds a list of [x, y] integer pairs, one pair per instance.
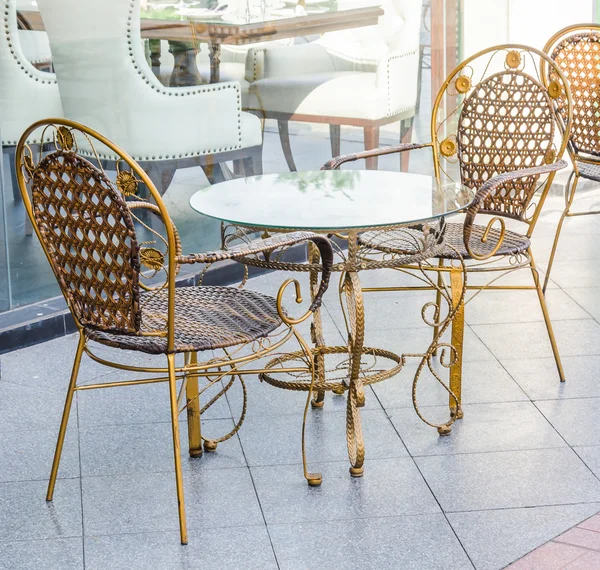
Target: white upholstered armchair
{"points": [[365, 77], [106, 83], [26, 93]]}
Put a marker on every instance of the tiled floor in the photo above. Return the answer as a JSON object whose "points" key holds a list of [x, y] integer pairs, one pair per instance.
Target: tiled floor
{"points": [[576, 549], [520, 469]]}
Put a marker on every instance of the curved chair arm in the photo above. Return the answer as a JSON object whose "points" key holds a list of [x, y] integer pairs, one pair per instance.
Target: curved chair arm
{"points": [[335, 163], [267, 245], [286, 61], [485, 191]]}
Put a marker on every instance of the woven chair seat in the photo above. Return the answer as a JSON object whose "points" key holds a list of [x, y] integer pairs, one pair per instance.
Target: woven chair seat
{"points": [[206, 318], [589, 171], [395, 241]]}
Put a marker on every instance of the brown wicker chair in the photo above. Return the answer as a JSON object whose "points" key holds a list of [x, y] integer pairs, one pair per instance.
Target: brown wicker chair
{"points": [[576, 51], [497, 137], [121, 290]]}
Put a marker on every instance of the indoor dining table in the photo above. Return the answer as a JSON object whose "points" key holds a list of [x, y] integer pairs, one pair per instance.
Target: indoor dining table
{"points": [[216, 28], [342, 205]]}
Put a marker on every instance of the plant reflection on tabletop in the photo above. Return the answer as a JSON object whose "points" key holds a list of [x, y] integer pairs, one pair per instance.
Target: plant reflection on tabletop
{"points": [[328, 183], [448, 195]]}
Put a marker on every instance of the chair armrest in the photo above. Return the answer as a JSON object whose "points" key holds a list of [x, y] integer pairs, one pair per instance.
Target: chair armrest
{"points": [[398, 74], [286, 61], [267, 245], [485, 191], [335, 163]]}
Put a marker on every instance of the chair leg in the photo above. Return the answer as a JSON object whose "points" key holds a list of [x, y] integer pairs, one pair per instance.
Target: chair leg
{"points": [[161, 176], [406, 130], [371, 142], [193, 410], [542, 298], [565, 213], [65, 418], [438, 297], [458, 332], [176, 448], [335, 133], [284, 137], [214, 173], [13, 174]]}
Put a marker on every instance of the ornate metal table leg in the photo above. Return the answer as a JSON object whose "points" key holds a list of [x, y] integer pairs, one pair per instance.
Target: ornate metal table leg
{"points": [[214, 55], [316, 329], [356, 335], [193, 410], [458, 331]]}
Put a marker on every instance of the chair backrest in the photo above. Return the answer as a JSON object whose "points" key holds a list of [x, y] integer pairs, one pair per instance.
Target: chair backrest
{"points": [[104, 78], [397, 30], [86, 226], [496, 114], [576, 50], [26, 93]]}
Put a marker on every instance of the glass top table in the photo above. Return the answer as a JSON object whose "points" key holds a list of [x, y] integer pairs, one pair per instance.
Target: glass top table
{"points": [[332, 200], [352, 205]]}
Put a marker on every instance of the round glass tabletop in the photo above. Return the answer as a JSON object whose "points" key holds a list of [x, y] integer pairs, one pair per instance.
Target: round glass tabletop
{"points": [[331, 199]]}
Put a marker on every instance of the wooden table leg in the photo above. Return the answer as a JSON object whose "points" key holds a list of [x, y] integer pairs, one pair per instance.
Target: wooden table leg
{"points": [[214, 55]]}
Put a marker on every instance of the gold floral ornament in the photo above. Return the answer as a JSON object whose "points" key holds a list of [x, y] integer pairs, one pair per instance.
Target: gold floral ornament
{"points": [[64, 138], [448, 147], [554, 89], [151, 258], [513, 59], [462, 84], [127, 183]]}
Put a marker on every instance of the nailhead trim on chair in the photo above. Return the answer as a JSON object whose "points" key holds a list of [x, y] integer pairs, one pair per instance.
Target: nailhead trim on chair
{"points": [[23, 65], [390, 112], [174, 93]]}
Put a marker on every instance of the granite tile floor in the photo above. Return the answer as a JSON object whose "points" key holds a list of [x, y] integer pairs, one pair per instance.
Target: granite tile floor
{"points": [[520, 469]]}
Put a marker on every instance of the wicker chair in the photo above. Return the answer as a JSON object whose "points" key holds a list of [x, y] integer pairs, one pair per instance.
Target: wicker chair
{"points": [[576, 50], [122, 293], [505, 123]]}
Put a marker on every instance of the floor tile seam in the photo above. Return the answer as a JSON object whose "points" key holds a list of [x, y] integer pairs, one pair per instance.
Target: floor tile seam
{"points": [[45, 479], [565, 291], [566, 399], [76, 402], [256, 494], [58, 390], [556, 540], [45, 539], [590, 318], [424, 479], [490, 451], [162, 472], [182, 421], [585, 463], [175, 530], [317, 522], [330, 461], [526, 507], [431, 406]]}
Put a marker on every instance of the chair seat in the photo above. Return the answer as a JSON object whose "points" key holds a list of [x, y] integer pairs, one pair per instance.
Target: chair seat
{"points": [[206, 318], [396, 242], [342, 94], [589, 170]]}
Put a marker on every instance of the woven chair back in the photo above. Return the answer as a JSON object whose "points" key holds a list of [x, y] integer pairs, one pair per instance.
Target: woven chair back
{"points": [[85, 223], [495, 114], [576, 50]]}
